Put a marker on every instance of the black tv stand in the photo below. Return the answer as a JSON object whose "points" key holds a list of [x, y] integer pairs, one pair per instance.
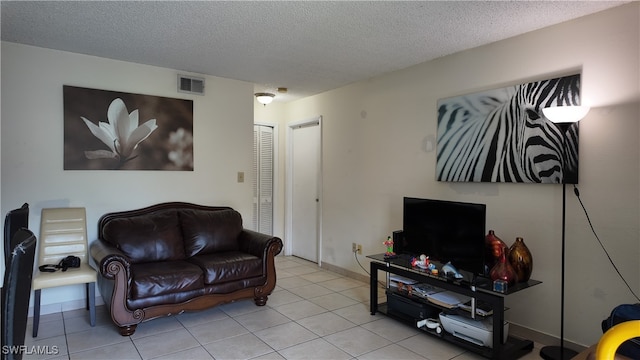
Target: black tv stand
{"points": [[476, 288]]}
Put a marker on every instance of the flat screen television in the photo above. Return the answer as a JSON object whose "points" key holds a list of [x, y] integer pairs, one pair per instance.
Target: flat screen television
{"points": [[445, 231]]}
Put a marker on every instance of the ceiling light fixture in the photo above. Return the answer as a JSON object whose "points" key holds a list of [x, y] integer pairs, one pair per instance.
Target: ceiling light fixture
{"points": [[264, 98]]}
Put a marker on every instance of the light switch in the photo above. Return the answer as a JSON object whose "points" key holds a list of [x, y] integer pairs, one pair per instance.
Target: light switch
{"points": [[240, 176]]}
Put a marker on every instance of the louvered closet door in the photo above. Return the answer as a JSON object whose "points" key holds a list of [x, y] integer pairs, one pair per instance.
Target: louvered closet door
{"points": [[263, 179]]}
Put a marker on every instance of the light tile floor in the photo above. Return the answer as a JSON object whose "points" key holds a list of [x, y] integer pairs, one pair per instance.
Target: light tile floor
{"points": [[312, 314]]}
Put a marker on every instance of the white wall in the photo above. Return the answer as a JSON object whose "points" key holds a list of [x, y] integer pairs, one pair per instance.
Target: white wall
{"points": [[32, 141], [377, 134]]}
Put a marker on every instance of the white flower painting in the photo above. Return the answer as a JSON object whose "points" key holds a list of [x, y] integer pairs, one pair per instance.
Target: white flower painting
{"points": [[101, 133], [121, 134]]}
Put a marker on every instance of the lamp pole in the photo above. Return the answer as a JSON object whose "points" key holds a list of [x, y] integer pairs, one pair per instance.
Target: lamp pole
{"points": [[555, 352], [563, 117]]}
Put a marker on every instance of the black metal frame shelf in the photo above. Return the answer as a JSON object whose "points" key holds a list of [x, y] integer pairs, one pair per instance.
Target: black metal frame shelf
{"points": [[480, 290]]}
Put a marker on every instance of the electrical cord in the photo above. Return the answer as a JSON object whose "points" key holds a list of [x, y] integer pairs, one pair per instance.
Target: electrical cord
{"points": [[577, 192], [355, 255]]}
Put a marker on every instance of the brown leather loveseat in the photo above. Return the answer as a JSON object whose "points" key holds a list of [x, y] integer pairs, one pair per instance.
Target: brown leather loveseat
{"points": [[173, 257]]}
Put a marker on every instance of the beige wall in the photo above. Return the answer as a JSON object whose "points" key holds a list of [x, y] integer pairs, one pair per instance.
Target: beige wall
{"points": [[377, 136], [32, 142], [376, 150]]}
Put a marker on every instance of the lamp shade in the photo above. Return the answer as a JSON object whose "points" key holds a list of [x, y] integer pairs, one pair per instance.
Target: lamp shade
{"points": [[565, 114], [264, 98]]}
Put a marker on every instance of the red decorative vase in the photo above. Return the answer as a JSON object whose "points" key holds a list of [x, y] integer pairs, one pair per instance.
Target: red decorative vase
{"points": [[521, 260], [503, 270], [494, 247]]}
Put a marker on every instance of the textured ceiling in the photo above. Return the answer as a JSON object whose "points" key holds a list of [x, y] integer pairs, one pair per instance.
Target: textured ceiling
{"points": [[307, 46]]}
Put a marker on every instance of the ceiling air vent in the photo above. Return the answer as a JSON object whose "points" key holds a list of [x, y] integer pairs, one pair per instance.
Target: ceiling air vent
{"points": [[191, 85]]}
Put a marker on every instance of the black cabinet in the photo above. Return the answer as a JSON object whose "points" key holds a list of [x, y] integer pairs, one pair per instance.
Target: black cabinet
{"points": [[481, 291]]}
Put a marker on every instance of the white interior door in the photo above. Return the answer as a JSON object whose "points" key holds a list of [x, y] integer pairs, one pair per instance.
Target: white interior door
{"points": [[305, 168], [263, 178]]}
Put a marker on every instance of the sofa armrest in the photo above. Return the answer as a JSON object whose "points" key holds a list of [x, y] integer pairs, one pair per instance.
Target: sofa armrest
{"points": [[115, 270], [259, 244], [106, 255]]}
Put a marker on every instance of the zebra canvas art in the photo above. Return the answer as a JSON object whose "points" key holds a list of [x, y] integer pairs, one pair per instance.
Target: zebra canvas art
{"points": [[501, 135]]}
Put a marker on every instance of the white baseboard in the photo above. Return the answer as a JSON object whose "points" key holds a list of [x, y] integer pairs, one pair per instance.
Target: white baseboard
{"points": [[64, 306], [542, 338], [514, 329], [345, 272]]}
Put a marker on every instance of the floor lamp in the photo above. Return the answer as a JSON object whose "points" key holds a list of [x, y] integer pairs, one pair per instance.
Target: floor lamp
{"points": [[563, 116]]}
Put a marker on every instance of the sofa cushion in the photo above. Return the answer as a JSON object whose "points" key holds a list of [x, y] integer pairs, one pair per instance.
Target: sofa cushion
{"points": [[207, 232], [165, 277], [228, 266], [147, 238]]}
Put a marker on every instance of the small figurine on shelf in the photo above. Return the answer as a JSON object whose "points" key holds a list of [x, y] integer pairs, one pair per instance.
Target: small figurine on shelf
{"points": [[448, 269], [389, 244], [423, 263]]}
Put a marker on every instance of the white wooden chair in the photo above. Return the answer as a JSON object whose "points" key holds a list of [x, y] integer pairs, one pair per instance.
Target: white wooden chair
{"points": [[63, 232]]}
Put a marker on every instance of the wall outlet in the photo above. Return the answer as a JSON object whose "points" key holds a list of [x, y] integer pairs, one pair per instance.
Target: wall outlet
{"points": [[359, 249], [354, 247]]}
